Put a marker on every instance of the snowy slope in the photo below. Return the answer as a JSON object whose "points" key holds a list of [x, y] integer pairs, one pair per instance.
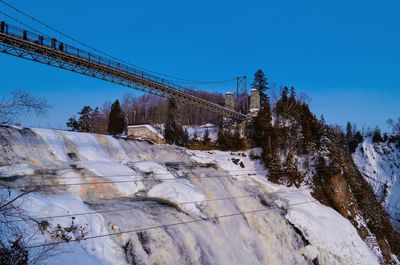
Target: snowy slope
{"points": [[379, 163], [160, 186]]}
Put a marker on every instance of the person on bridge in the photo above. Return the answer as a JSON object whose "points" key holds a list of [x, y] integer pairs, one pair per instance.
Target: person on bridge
{"points": [[2, 26], [41, 38], [61, 46], [53, 43]]}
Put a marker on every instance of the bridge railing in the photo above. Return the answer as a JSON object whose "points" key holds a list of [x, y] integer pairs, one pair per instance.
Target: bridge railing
{"points": [[68, 49]]}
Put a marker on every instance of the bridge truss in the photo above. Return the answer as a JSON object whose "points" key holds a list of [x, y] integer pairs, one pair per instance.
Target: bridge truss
{"points": [[31, 46]]}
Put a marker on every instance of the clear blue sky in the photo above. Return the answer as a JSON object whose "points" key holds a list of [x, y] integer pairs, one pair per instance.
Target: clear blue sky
{"points": [[344, 54]]}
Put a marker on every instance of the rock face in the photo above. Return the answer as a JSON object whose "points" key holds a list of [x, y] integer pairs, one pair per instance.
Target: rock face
{"points": [[146, 132], [160, 204], [379, 164]]}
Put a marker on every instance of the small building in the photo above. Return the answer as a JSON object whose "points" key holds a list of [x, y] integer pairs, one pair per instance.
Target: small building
{"points": [[145, 132]]}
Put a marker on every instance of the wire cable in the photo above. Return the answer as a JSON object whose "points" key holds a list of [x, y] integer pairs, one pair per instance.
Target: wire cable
{"points": [[144, 199], [172, 224], [24, 24], [127, 181], [138, 199], [108, 55]]}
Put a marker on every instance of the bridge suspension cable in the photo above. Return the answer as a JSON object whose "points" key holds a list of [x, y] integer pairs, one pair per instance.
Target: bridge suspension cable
{"points": [[216, 217], [22, 23], [35, 47], [176, 79]]}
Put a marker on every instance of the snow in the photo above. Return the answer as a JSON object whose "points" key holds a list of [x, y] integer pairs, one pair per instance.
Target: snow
{"points": [[332, 235], [54, 142], [265, 237], [89, 148], [179, 192], [149, 127], [199, 131], [379, 164], [149, 167], [16, 170], [96, 251], [115, 172]]}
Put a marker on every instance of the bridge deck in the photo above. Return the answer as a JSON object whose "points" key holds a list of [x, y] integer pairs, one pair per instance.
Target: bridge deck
{"points": [[38, 48]]}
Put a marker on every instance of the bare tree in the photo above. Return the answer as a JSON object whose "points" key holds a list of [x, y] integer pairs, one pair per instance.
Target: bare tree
{"points": [[21, 102], [14, 237]]}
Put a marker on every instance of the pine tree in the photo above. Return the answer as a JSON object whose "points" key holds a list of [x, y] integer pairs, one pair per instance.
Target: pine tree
{"points": [[262, 125], [349, 132], [282, 105], [85, 120], [237, 141], [221, 140], [284, 94], [186, 136], [95, 120], [377, 137], [117, 121], [261, 84], [206, 137], [292, 97], [73, 124], [173, 133]]}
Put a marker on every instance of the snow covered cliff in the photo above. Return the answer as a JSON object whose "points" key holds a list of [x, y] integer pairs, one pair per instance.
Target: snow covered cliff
{"points": [[379, 163], [118, 201]]}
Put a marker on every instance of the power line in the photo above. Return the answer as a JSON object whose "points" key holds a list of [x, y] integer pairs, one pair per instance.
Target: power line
{"points": [[24, 24], [112, 182], [131, 175], [171, 224], [108, 55], [249, 171], [131, 181], [131, 208], [149, 199]]}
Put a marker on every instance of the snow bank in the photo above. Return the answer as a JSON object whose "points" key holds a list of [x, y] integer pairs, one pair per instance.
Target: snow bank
{"points": [[336, 240], [264, 237], [379, 163], [181, 193], [149, 167], [54, 141], [87, 145], [16, 170], [113, 171], [332, 238], [94, 251]]}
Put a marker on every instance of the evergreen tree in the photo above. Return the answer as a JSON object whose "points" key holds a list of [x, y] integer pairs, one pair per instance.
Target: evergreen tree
{"points": [[292, 98], [221, 140], [353, 143], [376, 136], [117, 121], [73, 124], [206, 137], [262, 125], [282, 105], [186, 136], [85, 120], [173, 132], [261, 84], [284, 94], [237, 141], [95, 120], [349, 131]]}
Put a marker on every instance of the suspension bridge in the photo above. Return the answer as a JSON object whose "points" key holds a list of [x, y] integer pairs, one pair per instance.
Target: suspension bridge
{"points": [[50, 51]]}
